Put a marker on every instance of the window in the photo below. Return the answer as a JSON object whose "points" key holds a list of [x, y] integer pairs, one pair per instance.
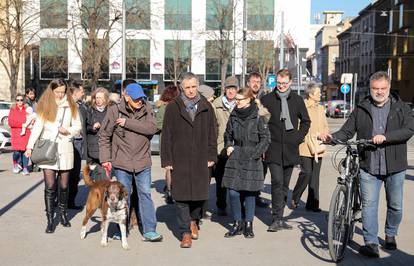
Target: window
{"points": [[177, 14], [390, 25], [138, 59], [53, 58], [260, 56], [219, 14], [95, 14], [95, 55], [53, 14], [177, 58], [401, 18], [260, 14], [138, 14], [215, 52]]}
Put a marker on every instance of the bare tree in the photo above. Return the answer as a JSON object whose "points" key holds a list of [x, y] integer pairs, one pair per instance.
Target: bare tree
{"points": [[220, 30], [180, 59], [260, 56], [17, 31]]}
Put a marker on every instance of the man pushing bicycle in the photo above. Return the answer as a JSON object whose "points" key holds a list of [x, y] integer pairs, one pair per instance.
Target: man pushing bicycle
{"points": [[387, 120]]}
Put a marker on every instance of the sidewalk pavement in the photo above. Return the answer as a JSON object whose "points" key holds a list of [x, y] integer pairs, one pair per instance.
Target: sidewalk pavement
{"points": [[22, 224]]}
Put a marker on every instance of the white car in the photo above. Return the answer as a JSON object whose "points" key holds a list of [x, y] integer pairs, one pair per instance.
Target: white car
{"points": [[5, 136], [4, 112]]}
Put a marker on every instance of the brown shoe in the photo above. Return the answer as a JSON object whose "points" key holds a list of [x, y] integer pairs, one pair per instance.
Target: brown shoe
{"points": [[186, 241], [194, 230]]}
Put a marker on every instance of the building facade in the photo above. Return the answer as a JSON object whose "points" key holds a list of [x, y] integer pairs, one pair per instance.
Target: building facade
{"points": [[163, 38]]}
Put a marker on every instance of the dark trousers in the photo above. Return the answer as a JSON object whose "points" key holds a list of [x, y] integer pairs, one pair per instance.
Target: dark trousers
{"points": [[75, 172], [308, 176], [280, 178], [188, 211], [221, 192]]}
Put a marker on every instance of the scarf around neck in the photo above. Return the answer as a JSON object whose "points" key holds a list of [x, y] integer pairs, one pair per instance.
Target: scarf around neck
{"points": [[284, 114], [227, 104], [191, 104], [243, 113]]}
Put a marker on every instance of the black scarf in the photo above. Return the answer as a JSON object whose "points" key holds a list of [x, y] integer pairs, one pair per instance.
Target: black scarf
{"points": [[243, 113]]}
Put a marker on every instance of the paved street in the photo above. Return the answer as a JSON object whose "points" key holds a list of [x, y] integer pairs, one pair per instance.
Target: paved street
{"points": [[23, 241]]}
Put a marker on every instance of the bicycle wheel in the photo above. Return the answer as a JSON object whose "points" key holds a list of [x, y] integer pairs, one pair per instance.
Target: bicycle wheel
{"points": [[338, 229]]}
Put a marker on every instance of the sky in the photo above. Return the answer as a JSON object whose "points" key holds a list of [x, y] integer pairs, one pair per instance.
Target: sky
{"points": [[350, 7]]}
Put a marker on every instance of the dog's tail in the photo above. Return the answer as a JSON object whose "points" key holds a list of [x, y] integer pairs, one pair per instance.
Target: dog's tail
{"points": [[87, 177]]}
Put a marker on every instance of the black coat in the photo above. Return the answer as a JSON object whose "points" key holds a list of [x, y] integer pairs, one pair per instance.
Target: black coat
{"points": [[92, 135], [399, 129], [187, 146], [83, 113], [250, 139], [284, 145]]}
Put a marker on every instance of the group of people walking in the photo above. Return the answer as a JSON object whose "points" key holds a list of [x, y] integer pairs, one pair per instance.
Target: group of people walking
{"points": [[234, 138]]}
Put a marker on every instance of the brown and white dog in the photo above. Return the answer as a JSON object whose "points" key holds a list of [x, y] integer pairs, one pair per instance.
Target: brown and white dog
{"points": [[112, 198]]}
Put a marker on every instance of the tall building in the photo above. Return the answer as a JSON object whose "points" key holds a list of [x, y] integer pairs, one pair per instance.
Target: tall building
{"points": [[164, 38]]}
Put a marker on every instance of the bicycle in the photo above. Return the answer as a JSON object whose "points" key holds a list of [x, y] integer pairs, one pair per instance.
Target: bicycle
{"points": [[345, 206]]}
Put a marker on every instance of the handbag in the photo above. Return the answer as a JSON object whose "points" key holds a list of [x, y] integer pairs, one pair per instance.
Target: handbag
{"points": [[45, 151]]}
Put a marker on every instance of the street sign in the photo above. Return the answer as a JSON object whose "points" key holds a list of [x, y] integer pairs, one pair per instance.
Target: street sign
{"points": [[271, 81], [345, 88], [346, 78]]}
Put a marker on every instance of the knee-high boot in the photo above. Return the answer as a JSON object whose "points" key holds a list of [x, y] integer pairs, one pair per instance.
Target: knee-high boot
{"points": [[63, 205], [50, 195]]}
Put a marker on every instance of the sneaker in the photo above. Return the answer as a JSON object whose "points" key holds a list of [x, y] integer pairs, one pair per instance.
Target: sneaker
{"points": [[25, 171], [390, 243], [116, 236], [369, 250], [17, 168], [152, 237]]}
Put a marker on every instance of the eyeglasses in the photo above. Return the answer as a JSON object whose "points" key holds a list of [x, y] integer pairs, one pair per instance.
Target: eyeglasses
{"points": [[19, 100], [282, 83], [240, 99]]}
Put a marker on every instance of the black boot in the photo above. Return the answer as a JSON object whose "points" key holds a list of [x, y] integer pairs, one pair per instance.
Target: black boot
{"points": [[50, 195], [237, 229], [248, 230], [63, 204]]}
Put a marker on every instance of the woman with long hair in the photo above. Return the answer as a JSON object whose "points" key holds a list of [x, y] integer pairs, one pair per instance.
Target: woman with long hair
{"points": [[17, 117], [170, 93], [96, 114], [246, 138], [58, 119]]}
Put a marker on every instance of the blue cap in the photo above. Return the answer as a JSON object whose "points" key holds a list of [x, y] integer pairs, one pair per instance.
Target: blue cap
{"points": [[135, 91]]}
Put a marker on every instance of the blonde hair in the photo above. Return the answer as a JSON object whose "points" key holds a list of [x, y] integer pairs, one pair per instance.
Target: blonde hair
{"points": [[246, 92], [47, 107], [96, 91]]}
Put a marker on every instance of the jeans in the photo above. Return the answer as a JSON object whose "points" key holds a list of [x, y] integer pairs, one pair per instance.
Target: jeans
{"points": [[20, 158], [188, 211], [280, 178], [249, 199], [145, 203], [308, 177], [370, 190]]}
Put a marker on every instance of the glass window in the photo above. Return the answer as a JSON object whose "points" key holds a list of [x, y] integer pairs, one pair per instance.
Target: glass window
{"points": [[260, 14], [95, 14], [94, 53], [138, 59], [53, 58], [391, 17], [138, 14], [260, 56], [401, 19], [177, 58], [215, 52], [53, 14], [177, 14], [219, 14]]}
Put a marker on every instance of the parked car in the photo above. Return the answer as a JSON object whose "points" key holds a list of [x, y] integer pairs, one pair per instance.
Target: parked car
{"points": [[341, 110], [332, 105], [4, 112], [5, 143]]}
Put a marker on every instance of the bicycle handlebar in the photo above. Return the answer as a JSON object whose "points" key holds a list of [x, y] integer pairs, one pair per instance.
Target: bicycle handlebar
{"points": [[364, 142]]}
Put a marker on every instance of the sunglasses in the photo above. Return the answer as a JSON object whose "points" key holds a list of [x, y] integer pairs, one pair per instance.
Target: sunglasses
{"points": [[19, 100]]}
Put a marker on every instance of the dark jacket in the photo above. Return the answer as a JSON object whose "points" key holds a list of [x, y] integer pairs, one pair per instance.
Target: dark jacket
{"points": [[187, 146], [250, 139], [284, 145], [128, 147], [83, 113], [92, 136], [400, 128]]}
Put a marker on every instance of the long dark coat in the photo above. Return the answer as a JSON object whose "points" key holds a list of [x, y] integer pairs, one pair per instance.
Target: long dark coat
{"points": [[187, 146], [284, 146], [92, 136], [250, 139]]}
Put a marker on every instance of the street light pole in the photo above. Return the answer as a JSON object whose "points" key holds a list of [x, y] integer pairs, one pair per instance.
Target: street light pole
{"points": [[123, 41]]}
